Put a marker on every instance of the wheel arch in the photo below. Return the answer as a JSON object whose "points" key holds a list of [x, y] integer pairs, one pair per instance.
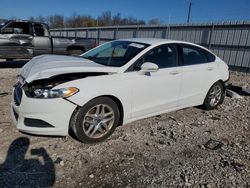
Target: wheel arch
{"points": [[222, 82], [219, 80], [224, 87], [115, 99]]}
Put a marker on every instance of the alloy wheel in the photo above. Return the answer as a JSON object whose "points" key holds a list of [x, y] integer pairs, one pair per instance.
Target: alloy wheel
{"points": [[98, 121], [215, 95]]}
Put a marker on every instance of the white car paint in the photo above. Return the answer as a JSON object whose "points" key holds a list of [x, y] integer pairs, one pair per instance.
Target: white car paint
{"points": [[160, 86], [195, 80], [141, 95], [55, 111]]}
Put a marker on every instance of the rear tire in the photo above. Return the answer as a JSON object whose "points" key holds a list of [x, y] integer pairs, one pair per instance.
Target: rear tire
{"points": [[9, 59], [96, 120], [75, 52], [215, 96]]}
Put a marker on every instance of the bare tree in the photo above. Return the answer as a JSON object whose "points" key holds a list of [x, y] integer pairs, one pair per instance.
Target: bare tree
{"points": [[105, 19], [56, 21], [116, 19], [154, 21], [41, 19], [76, 20]]}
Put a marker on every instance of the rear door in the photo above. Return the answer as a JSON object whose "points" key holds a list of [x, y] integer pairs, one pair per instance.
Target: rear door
{"points": [[198, 71], [42, 40], [157, 91]]}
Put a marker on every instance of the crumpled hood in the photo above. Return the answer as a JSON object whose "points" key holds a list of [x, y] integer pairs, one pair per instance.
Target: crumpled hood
{"points": [[46, 66]]}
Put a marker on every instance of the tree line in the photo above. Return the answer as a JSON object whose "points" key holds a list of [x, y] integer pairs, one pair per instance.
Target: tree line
{"points": [[105, 19]]}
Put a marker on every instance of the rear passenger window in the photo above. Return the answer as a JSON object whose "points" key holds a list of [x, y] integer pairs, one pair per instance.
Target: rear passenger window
{"points": [[193, 55]]}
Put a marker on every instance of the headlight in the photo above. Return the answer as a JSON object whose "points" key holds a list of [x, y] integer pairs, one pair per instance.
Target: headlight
{"points": [[55, 93]]}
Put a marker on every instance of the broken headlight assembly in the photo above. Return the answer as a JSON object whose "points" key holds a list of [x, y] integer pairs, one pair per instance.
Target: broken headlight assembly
{"points": [[55, 93]]}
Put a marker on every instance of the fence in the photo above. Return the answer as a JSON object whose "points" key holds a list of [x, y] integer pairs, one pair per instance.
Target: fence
{"points": [[230, 40]]}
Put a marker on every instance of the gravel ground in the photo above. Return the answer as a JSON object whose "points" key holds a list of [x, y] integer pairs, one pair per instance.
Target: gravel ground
{"points": [[189, 148]]}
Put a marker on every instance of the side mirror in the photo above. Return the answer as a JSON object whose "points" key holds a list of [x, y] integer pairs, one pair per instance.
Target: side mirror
{"points": [[148, 67], [8, 30]]}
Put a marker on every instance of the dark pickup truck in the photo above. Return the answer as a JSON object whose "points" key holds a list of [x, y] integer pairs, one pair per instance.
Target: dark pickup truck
{"points": [[26, 39]]}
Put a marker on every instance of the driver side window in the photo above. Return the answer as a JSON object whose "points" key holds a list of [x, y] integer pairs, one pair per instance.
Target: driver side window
{"points": [[164, 56]]}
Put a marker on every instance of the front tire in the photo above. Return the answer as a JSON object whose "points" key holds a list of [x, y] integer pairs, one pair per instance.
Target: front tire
{"points": [[96, 120], [215, 96]]}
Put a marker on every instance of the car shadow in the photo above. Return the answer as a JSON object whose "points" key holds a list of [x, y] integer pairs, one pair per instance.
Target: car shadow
{"points": [[239, 90], [18, 171], [13, 64]]}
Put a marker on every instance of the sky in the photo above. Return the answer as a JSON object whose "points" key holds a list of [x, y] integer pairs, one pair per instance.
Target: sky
{"points": [[167, 11]]}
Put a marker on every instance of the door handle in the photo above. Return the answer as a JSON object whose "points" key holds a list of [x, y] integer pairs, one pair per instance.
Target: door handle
{"points": [[174, 72], [210, 68]]}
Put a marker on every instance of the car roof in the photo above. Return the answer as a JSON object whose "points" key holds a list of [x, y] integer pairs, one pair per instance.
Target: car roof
{"points": [[151, 41], [158, 41], [25, 21]]}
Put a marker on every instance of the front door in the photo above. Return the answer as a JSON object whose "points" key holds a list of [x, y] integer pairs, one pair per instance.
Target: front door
{"points": [[42, 41], [156, 92]]}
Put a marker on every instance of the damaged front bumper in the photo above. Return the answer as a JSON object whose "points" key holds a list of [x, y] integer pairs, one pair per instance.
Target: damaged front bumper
{"points": [[40, 116]]}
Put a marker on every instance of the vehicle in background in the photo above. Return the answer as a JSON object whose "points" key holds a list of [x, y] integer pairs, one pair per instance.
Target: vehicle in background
{"points": [[114, 84], [26, 39]]}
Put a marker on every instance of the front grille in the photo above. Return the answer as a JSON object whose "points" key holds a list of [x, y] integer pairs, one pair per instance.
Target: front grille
{"points": [[18, 93]]}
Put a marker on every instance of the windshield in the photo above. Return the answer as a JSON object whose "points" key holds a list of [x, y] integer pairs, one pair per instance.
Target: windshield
{"points": [[116, 53]]}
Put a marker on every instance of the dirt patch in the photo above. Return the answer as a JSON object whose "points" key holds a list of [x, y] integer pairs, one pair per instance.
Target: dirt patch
{"points": [[173, 149]]}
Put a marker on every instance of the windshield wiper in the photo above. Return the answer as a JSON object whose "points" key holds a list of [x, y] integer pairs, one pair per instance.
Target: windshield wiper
{"points": [[88, 57], [92, 58], [95, 59]]}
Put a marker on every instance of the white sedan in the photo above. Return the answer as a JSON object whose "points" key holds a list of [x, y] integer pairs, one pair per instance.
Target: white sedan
{"points": [[114, 84]]}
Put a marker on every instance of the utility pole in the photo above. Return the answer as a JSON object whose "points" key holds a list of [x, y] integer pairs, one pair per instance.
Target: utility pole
{"points": [[189, 11]]}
